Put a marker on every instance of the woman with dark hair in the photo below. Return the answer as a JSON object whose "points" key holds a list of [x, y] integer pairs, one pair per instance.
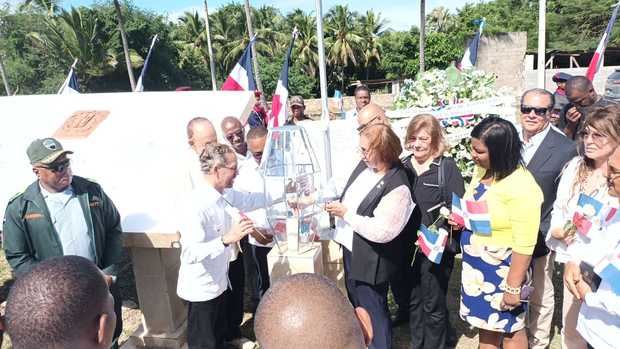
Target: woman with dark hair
{"points": [[496, 262], [374, 208], [434, 178]]}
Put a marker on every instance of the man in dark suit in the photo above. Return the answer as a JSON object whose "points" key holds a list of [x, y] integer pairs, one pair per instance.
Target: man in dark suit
{"points": [[545, 152]]}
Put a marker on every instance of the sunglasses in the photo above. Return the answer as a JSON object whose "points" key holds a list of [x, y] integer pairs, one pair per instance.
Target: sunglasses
{"points": [[537, 111], [363, 126], [58, 167], [231, 136]]}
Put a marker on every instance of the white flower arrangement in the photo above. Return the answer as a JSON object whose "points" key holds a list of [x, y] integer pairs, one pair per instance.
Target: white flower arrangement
{"points": [[438, 88]]}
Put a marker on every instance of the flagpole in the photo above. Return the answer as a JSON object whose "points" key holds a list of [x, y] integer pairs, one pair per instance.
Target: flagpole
{"points": [[248, 16], [210, 48], [542, 24], [323, 84]]}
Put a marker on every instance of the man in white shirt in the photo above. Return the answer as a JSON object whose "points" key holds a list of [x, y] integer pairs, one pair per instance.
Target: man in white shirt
{"points": [[599, 315], [210, 225], [251, 180], [362, 99], [545, 152]]}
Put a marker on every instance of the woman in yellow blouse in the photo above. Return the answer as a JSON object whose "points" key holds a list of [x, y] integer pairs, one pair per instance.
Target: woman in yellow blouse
{"points": [[496, 263]]}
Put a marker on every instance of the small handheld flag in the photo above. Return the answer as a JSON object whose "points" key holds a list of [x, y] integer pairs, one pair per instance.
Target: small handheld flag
{"points": [[609, 270], [587, 209], [432, 243], [473, 215]]}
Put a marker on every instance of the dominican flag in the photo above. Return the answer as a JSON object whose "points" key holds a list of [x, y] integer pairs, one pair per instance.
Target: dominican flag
{"points": [[471, 52], [473, 215], [432, 243], [609, 270], [597, 59], [139, 85], [71, 85], [279, 108], [587, 209], [241, 78]]}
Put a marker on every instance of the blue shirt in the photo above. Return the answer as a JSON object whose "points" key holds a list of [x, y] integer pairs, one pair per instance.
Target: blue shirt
{"points": [[70, 223]]}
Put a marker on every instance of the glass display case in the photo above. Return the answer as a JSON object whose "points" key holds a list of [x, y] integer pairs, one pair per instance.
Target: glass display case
{"points": [[292, 179]]}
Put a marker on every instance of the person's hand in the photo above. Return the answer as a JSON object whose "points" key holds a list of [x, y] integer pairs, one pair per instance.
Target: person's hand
{"points": [[262, 236], [510, 301], [108, 279], [563, 235], [238, 231], [572, 116], [455, 226], [583, 289], [336, 208], [572, 277]]}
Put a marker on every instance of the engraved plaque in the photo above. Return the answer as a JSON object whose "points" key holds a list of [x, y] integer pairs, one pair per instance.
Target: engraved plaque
{"points": [[81, 124]]}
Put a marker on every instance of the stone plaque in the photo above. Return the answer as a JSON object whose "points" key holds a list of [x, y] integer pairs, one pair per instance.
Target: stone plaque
{"points": [[81, 124]]}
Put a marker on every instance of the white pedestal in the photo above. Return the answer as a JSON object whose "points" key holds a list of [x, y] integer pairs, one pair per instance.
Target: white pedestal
{"points": [[156, 270], [294, 262]]}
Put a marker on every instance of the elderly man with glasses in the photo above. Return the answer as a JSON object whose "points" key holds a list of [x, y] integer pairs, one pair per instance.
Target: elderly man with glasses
{"points": [[545, 152], [60, 214]]}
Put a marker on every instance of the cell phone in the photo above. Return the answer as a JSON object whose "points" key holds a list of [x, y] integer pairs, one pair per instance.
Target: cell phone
{"points": [[589, 276]]}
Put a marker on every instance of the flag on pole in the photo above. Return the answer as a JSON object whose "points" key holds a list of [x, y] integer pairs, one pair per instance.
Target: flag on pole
{"points": [[279, 108], [71, 84], [139, 84], [471, 52], [597, 59], [241, 78], [432, 243]]}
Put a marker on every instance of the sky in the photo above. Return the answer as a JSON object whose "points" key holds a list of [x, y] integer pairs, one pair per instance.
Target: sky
{"points": [[400, 14]]}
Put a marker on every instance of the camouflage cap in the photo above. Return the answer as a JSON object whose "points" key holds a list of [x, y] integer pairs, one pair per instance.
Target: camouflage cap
{"points": [[45, 151]]}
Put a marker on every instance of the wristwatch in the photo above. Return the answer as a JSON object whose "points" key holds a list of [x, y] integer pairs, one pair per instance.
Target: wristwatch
{"points": [[223, 243]]}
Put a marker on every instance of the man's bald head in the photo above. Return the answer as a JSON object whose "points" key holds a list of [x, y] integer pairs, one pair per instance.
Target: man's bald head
{"points": [[307, 311], [234, 133], [200, 132], [369, 115]]}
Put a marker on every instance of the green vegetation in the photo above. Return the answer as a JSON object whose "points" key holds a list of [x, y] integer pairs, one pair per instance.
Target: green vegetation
{"points": [[39, 41]]}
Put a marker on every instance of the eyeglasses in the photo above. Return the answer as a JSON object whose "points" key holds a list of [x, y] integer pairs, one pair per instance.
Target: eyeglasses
{"points": [[537, 111], [596, 137], [58, 167], [363, 126], [364, 152], [231, 136], [612, 177]]}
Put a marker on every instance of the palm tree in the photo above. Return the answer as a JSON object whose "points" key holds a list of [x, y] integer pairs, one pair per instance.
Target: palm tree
{"points": [[422, 33], [439, 20], [49, 6], [344, 44], [195, 35], [372, 26], [78, 33], [306, 50]]}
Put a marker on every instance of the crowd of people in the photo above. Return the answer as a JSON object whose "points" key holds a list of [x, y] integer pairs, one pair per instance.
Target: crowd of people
{"points": [[531, 178]]}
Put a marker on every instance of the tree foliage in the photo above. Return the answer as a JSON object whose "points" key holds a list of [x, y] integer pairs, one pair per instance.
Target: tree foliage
{"points": [[39, 39]]}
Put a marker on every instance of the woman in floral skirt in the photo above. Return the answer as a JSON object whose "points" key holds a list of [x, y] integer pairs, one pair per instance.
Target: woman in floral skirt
{"points": [[496, 258]]}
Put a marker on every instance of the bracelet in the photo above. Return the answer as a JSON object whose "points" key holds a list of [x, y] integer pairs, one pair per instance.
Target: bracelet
{"points": [[511, 290], [223, 243]]}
